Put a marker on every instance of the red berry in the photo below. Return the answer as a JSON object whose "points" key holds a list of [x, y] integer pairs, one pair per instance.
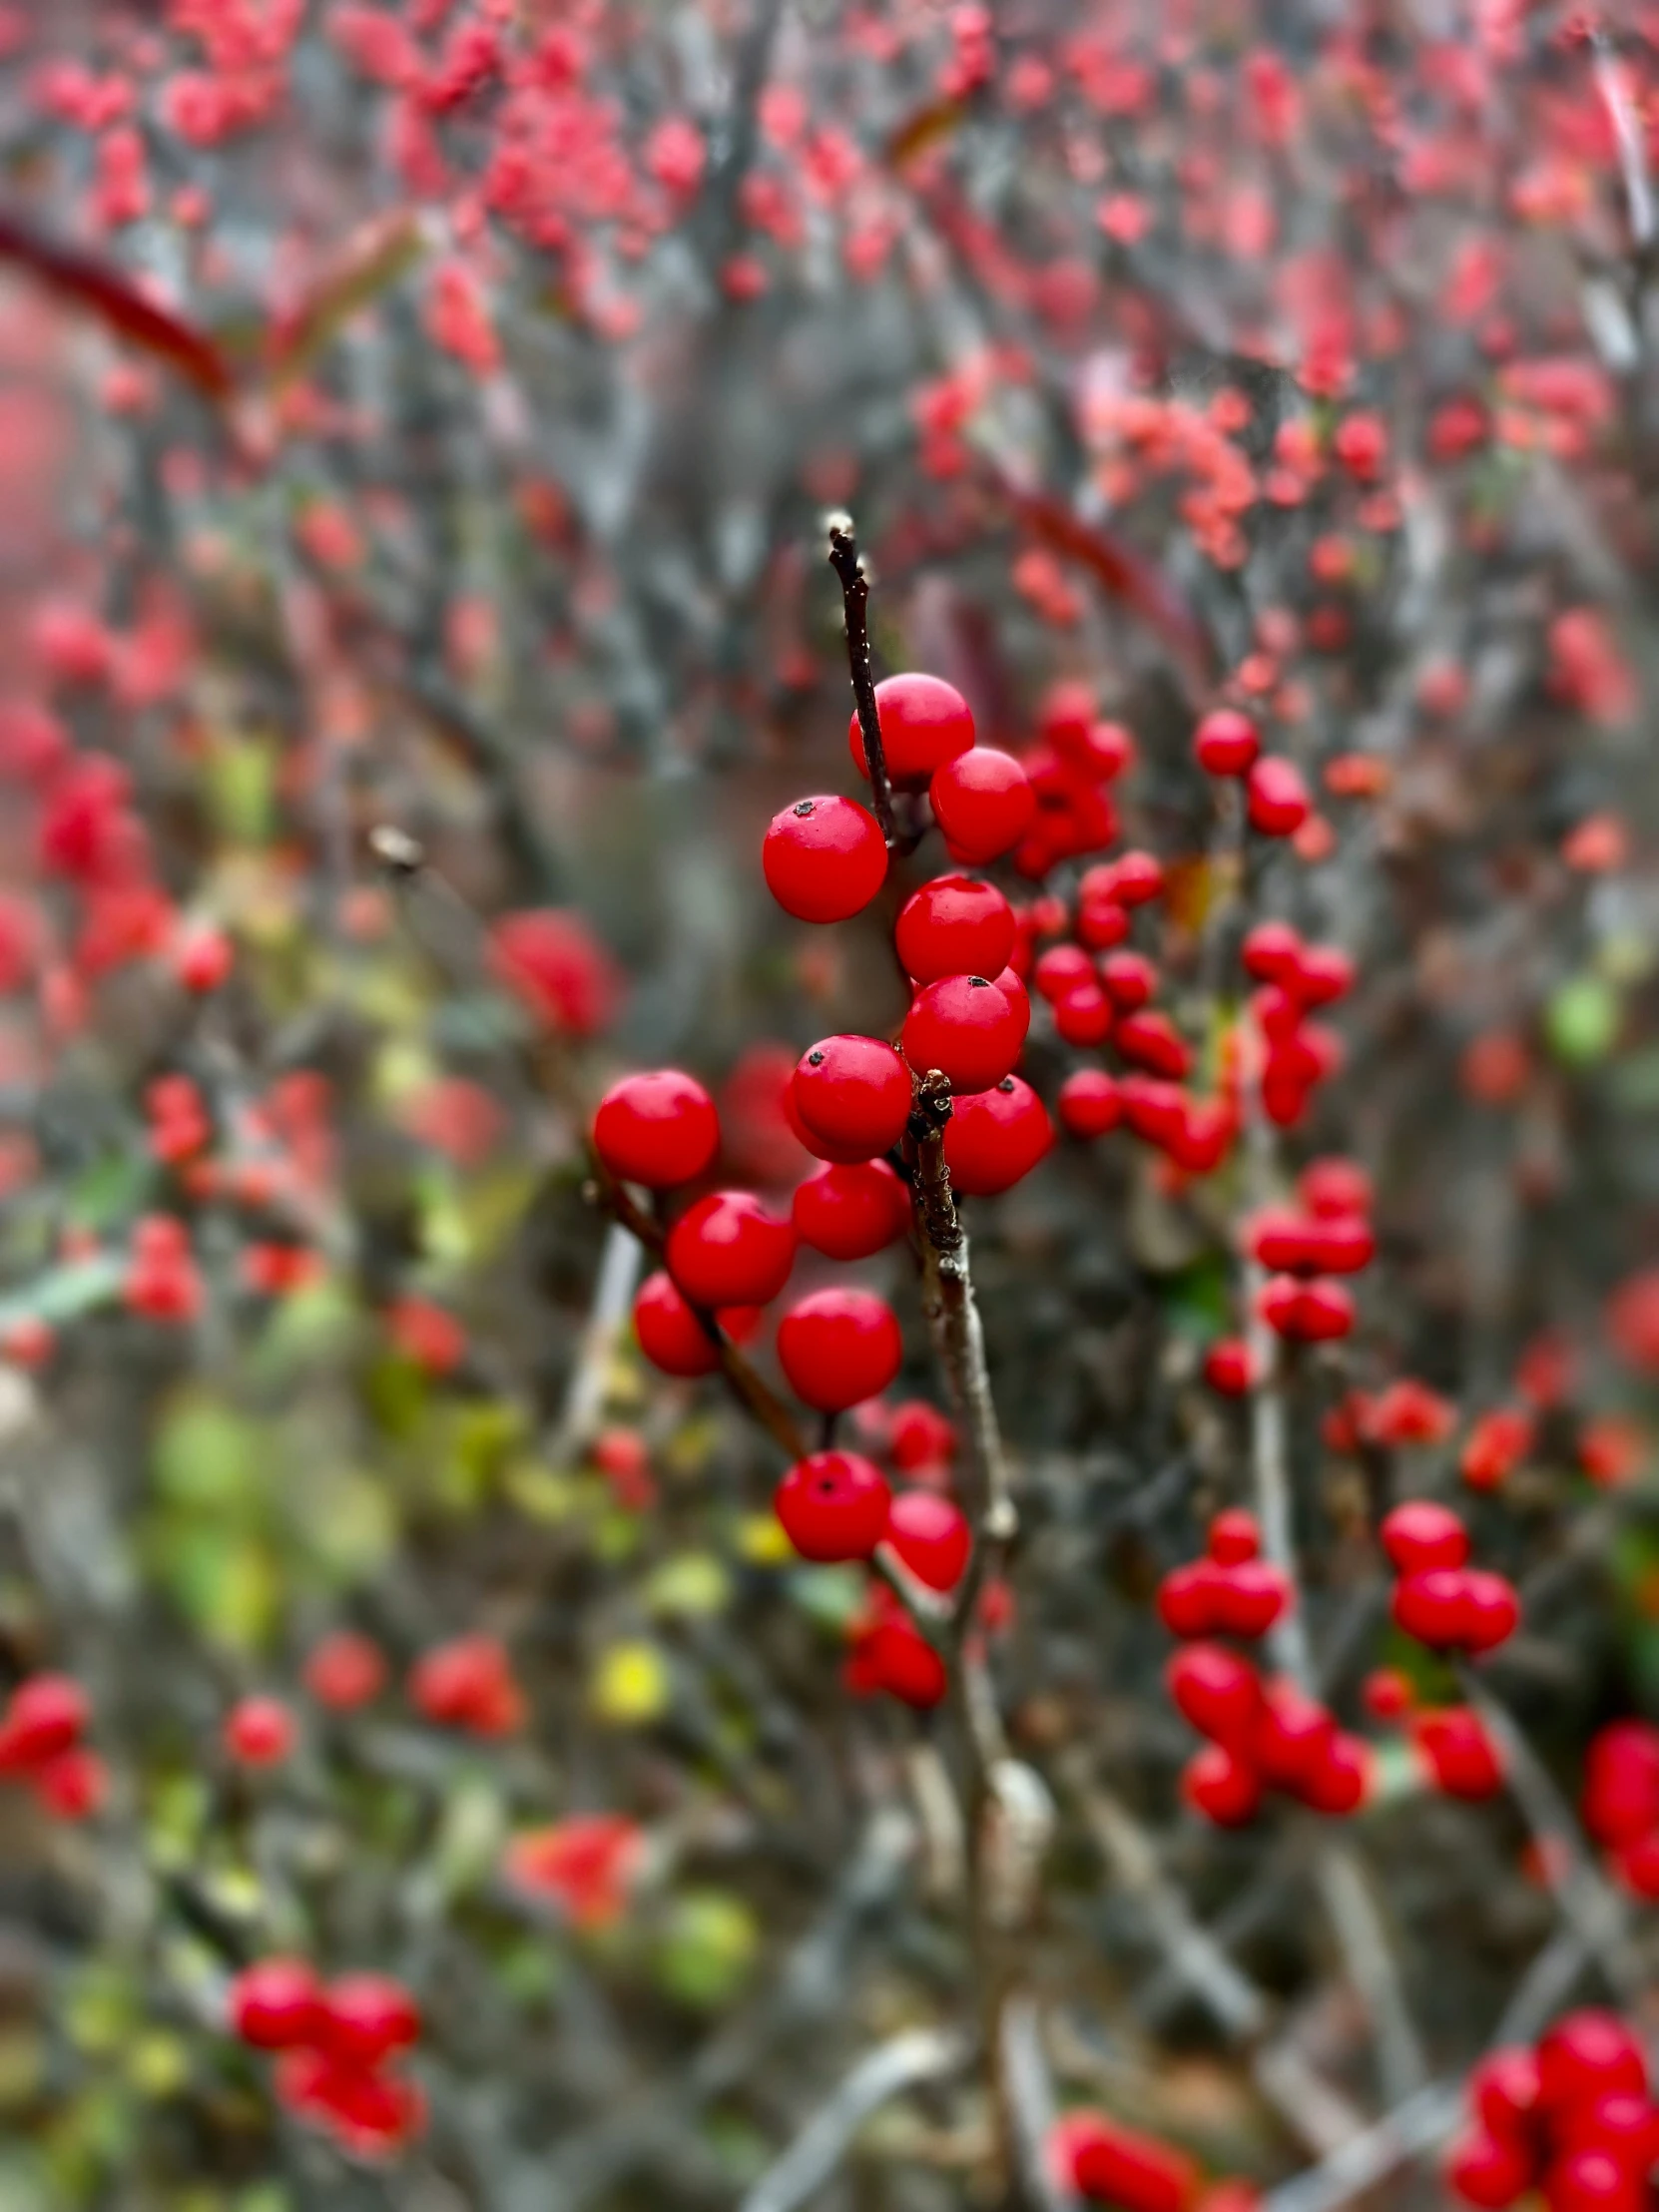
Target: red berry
{"points": [[1009, 983], [833, 1506], [1218, 1784], [1432, 1604], [469, 1683], [1487, 2172], [1589, 2054], [1216, 1691], [727, 1250], [1387, 1694], [46, 1715], [1234, 1537], [1423, 1534], [1333, 1189], [72, 1783], [201, 958], [851, 1212], [954, 926], [1062, 968], [995, 1137], [1226, 743], [275, 2004], [924, 722], [1458, 1753], [823, 859], [1277, 798], [365, 2017], [1087, 1103], [345, 1670], [983, 802], [1293, 1736], [1151, 1040], [1491, 1610], [896, 1657], [1503, 2090], [1083, 1016], [963, 1026], [931, 1535], [839, 1347], [670, 1333], [1129, 979], [1340, 1783], [1135, 2172], [1227, 1366], [1621, 1782], [658, 1129], [1187, 1599], [1153, 1109], [1249, 1598], [1272, 951], [259, 1732], [1495, 1447], [1130, 880], [1342, 1246], [1101, 923], [1591, 2181], [1624, 2126], [854, 1092], [919, 1436]]}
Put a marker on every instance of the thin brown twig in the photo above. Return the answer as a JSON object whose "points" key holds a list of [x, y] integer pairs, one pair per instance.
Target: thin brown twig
{"points": [[844, 559]]}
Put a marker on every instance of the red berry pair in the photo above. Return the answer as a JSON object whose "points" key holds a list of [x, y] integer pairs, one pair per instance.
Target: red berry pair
{"points": [[1230, 1592], [334, 2045], [1439, 1599], [1263, 1734], [40, 1743], [1621, 1804]]}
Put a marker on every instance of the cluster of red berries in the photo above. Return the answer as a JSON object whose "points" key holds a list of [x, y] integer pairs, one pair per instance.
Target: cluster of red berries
{"points": [[1264, 1734], [180, 1127], [335, 2045], [1571, 2119], [162, 1281], [1097, 2157], [40, 1743], [1305, 1248], [1232, 1591], [1439, 1599], [1621, 1804]]}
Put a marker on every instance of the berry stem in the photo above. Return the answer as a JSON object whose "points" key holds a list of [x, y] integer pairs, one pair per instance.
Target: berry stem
{"points": [[844, 559]]}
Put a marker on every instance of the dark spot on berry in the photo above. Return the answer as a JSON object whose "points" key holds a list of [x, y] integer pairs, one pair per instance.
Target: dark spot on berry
{"points": [[1008, 1084], [815, 1059], [826, 1485], [977, 983], [803, 806]]}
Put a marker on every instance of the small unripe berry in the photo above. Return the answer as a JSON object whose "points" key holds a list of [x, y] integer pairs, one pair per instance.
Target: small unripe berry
{"points": [[823, 859], [963, 1026], [839, 1347], [995, 1137], [727, 1250], [659, 1129], [954, 926], [983, 802], [851, 1212], [833, 1506], [854, 1093], [924, 722]]}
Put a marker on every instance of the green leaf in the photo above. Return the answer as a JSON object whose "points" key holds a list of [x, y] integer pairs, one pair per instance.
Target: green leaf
{"points": [[1582, 1020]]}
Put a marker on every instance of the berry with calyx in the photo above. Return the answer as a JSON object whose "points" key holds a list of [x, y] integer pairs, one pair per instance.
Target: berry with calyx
{"points": [[954, 926], [995, 1137], [854, 1093], [966, 1027], [983, 802], [825, 858], [833, 1506]]}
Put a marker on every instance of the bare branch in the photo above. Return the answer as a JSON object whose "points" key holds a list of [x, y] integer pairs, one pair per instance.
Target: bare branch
{"points": [[844, 559], [919, 2054]]}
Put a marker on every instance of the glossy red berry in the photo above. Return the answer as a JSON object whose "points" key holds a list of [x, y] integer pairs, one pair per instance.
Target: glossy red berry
{"points": [[1101, 923], [1187, 1599], [1591, 2181], [924, 722], [851, 1212], [931, 1535], [1591, 2053], [954, 926], [1248, 1598], [1062, 968], [853, 1092], [833, 1506], [1421, 1534], [670, 1333], [1151, 1040], [1083, 1016], [1489, 2171], [1430, 1605], [367, 2016], [1129, 980], [839, 1347], [659, 1129], [920, 1437], [1503, 2091], [47, 1712], [896, 1657], [1491, 1610], [276, 2004], [728, 1250], [1220, 1786], [1339, 1783], [1495, 1447], [1226, 742], [259, 1732], [1234, 1537], [1621, 1783], [995, 1137], [823, 859], [345, 1670], [1292, 1737], [1130, 880], [983, 802], [1227, 1366], [1216, 1691], [966, 1027], [1116, 2165], [1270, 951], [1387, 1694], [1457, 1753], [1277, 798], [1087, 1103], [1335, 1189], [1622, 2126]]}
